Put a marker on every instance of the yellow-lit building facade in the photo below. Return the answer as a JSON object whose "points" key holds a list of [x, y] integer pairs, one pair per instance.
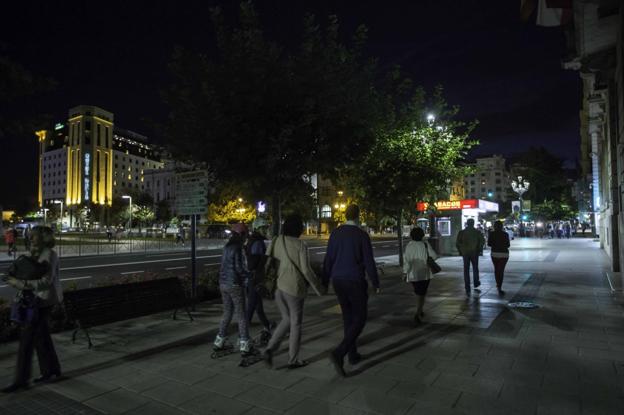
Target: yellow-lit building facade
{"points": [[88, 161]]}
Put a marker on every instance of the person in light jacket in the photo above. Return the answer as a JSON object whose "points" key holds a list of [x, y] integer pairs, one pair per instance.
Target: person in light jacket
{"points": [[293, 276], [415, 268], [36, 335]]}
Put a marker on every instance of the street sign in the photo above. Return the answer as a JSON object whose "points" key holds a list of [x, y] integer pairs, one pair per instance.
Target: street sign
{"points": [[191, 193]]}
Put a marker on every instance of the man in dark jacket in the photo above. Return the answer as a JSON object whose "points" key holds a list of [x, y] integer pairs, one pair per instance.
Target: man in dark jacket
{"points": [[470, 244], [255, 252], [349, 256], [233, 280]]}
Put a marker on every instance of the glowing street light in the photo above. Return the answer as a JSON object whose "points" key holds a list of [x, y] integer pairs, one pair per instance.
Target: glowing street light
{"points": [[430, 118]]}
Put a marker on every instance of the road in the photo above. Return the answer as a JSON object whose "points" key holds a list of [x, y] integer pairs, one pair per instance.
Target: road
{"points": [[90, 271]]}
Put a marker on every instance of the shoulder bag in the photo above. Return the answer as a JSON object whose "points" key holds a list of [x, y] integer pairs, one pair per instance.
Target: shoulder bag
{"points": [[271, 267], [433, 266]]}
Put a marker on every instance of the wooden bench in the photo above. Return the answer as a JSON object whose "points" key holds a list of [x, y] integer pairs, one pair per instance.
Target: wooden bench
{"points": [[102, 305]]}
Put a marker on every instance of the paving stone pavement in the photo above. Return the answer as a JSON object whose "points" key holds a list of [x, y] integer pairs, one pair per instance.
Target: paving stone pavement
{"points": [[471, 356]]}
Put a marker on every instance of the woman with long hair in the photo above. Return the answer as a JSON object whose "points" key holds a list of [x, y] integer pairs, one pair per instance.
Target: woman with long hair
{"points": [[45, 293], [294, 275]]}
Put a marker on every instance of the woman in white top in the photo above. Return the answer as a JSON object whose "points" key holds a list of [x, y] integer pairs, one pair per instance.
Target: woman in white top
{"points": [[415, 268]]}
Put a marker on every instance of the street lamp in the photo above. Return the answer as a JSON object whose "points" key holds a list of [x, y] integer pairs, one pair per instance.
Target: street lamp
{"points": [[129, 197], [45, 216], [56, 202], [520, 186], [430, 118]]}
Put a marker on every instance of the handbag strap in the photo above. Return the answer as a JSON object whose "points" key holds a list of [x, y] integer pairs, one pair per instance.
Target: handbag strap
{"points": [[427, 249], [288, 256]]}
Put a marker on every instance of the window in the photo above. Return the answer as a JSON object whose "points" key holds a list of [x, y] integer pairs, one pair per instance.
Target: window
{"points": [[497, 173], [326, 211], [482, 174], [498, 189], [472, 182], [482, 182], [498, 181]]}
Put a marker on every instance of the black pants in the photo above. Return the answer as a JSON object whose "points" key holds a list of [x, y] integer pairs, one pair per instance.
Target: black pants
{"points": [[353, 299], [254, 303], [474, 260], [36, 336]]}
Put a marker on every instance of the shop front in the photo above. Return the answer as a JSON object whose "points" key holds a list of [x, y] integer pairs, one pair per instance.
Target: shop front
{"points": [[451, 217]]}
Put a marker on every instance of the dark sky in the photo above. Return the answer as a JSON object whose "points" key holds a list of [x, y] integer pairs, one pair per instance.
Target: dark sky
{"points": [[505, 73]]}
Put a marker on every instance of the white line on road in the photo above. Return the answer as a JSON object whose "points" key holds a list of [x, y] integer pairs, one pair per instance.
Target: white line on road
{"points": [[138, 262], [3, 286], [213, 263], [132, 272], [172, 268], [76, 278], [320, 253]]}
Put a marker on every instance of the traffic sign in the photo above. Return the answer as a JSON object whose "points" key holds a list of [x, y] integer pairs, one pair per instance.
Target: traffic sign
{"points": [[191, 193]]}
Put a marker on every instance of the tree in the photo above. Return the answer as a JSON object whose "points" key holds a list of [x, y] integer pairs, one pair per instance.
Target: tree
{"points": [[414, 158], [264, 116], [163, 211], [143, 214]]}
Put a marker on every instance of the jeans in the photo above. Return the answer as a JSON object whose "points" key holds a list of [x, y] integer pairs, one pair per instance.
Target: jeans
{"points": [[474, 260], [353, 299], [234, 305], [254, 303], [291, 309], [499, 270], [36, 336]]}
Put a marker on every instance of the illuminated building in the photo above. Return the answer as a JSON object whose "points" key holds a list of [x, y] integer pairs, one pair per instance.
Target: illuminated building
{"points": [[489, 181], [89, 161]]}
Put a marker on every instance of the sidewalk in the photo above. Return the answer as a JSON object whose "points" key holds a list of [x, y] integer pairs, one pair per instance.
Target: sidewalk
{"points": [[473, 356]]}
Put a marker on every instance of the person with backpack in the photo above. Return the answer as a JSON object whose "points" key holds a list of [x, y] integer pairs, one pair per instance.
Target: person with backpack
{"points": [[294, 276], [42, 293], [470, 244], [255, 252], [233, 280]]}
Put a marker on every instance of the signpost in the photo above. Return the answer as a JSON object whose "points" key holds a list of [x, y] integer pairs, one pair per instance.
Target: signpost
{"points": [[192, 200]]}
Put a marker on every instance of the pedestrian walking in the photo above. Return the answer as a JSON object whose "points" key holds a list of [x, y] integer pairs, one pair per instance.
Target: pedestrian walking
{"points": [[415, 268], [109, 234], [255, 252], [9, 239], [498, 240], [469, 244], [349, 257], [233, 280], [180, 236], [293, 277], [44, 293], [27, 231]]}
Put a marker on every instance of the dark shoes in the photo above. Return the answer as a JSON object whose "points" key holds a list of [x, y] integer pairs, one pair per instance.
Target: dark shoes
{"points": [[338, 363], [501, 292], [355, 358], [298, 364], [267, 356], [47, 378], [14, 387]]}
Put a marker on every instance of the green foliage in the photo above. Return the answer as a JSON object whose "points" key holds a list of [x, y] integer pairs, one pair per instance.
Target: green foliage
{"points": [[263, 116], [553, 210], [229, 205], [412, 159]]}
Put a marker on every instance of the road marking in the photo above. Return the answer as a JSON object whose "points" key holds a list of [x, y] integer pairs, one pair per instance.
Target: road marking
{"points": [[3, 286], [386, 246], [321, 253], [168, 253], [132, 272], [138, 262], [214, 263], [76, 278], [172, 268]]}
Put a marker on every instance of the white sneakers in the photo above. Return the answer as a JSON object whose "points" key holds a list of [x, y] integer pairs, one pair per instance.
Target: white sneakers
{"points": [[245, 346]]}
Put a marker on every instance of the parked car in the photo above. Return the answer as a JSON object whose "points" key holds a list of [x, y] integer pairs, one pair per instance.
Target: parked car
{"points": [[218, 231]]}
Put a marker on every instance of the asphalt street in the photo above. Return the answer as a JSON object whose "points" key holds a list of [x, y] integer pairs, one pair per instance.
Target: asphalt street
{"points": [[87, 271]]}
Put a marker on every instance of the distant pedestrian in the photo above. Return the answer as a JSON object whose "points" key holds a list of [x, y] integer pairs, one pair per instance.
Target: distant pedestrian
{"points": [[293, 278], [9, 239], [416, 270], [498, 240], [567, 230], [45, 292], [233, 280], [349, 257], [27, 231], [109, 234], [469, 244], [255, 251], [180, 236]]}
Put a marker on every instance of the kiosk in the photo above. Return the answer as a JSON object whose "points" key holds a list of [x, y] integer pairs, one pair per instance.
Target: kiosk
{"points": [[451, 217]]}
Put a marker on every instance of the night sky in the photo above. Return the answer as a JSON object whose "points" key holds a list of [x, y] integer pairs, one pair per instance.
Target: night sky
{"points": [[499, 70]]}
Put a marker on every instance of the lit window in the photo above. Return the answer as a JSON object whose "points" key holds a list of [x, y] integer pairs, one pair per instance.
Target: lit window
{"points": [[129, 177], [326, 211]]}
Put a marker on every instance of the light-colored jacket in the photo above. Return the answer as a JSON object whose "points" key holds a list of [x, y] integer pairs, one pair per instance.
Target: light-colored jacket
{"points": [[289, 279], [415, 261], [48, 288]]}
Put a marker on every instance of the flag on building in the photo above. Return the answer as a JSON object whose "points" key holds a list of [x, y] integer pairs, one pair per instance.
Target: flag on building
{"points": [[550, 13]]}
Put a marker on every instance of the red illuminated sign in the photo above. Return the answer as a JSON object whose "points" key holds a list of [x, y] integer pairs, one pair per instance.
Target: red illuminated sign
{"points": [[450, 205]]}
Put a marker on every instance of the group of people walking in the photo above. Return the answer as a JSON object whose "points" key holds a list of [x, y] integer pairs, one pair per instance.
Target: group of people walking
{"points": [[349, 260]]}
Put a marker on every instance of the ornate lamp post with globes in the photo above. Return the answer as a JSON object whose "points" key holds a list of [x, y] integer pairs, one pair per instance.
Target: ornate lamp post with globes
{"points": [[520, 186]]}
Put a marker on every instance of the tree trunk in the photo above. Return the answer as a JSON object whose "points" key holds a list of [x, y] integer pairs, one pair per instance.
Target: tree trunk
{"points": [[400, 236], [433, 237], [276, 213]]}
